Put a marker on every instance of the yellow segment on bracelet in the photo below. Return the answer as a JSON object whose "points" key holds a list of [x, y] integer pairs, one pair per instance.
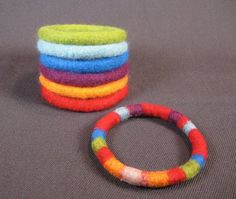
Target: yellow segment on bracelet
{"points": [[84, 92], [81, 34]]}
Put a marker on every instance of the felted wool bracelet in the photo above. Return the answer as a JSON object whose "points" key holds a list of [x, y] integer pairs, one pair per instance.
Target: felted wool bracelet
{"points": [[81, 34], [84, 66], [83, 105], [84, 92], [149, 178], [83, 80], [82, 52]]}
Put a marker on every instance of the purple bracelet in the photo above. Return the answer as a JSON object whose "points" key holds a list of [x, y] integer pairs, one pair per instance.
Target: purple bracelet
{"points": [[83, 80]]}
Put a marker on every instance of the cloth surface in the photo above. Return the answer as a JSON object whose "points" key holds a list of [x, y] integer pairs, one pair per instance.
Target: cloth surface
{"points": [[182, 55]]}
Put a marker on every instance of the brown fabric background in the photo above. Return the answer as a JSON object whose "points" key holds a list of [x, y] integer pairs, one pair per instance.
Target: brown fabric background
{"points": [[182, 55]]}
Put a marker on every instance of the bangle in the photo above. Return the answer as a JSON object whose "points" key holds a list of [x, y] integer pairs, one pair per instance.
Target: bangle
{"points": [[83, 105], [81, 34], [84, 92], [149, 178], [83, 80], [84, 66], [81, 52]]}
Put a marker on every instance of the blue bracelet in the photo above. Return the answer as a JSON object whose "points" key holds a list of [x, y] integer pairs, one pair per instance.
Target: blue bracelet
{"points": [[81, 52], [84, 66]]}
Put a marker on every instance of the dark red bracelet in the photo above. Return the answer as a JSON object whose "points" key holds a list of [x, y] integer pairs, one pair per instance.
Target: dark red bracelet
{"points": [[75, 104]]}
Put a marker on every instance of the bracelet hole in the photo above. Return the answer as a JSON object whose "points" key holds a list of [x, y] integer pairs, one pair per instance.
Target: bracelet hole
{"points": [[149, 144]]}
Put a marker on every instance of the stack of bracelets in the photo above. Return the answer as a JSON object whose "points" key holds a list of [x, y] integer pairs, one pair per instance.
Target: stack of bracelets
{"points": [[149, 178], [83, 67]]}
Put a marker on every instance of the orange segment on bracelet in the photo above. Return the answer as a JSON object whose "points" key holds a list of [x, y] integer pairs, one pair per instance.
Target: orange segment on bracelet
{"points": [[139, 177]]}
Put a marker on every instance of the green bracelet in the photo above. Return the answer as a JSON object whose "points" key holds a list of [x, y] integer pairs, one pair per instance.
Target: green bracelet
{"points": [[81, 34]]}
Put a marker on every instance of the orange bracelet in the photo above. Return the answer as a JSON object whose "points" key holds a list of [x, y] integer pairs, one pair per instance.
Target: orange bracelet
{"points": [[84, 92]]}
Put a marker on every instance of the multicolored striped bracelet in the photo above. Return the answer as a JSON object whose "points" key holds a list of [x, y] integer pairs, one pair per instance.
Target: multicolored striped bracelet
{"points": [[138, 177]]}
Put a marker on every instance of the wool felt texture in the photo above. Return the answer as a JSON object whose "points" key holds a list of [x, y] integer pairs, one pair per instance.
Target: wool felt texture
{"points": [[84, 92], [82, 52], [153, 179], [81, 34], [84, 66], [89, 105], [85, 79]]}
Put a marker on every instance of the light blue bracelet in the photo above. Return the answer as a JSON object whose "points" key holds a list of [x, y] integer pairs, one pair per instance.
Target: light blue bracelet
{"points": [[84, 66], [81, 52]]}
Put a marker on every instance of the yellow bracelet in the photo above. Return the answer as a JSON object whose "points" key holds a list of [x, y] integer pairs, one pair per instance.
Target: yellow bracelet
{"points": [[81, 34], [84, 92]]}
